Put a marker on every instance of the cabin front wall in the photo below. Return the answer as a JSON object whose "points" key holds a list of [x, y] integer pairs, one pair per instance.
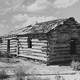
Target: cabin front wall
{"points": [[3, 46], [8, 46], [59, 44], [38, 51]]}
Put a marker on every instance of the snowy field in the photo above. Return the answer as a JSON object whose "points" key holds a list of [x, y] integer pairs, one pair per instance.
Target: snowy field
{"points": [[36, 71]]}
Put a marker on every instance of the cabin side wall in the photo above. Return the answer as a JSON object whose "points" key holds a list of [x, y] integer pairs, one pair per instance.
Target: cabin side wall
{"points": [[59, 44], [39, 47], [3, 46]]}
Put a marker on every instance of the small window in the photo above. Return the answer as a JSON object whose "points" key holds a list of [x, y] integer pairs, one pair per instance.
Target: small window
{"points": [[29, 43]]}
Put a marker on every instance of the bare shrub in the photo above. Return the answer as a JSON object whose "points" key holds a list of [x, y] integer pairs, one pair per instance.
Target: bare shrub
{"points": [[75, 65], [3, 75], [20, 73], [59, 77]]}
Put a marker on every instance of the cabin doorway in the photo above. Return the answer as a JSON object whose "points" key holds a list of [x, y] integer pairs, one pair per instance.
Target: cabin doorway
{"points": [[73, 49], [12, 47], [73, 46]]}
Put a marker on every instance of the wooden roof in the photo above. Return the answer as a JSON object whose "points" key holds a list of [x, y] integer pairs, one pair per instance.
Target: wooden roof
{"points": [[42, 27]]}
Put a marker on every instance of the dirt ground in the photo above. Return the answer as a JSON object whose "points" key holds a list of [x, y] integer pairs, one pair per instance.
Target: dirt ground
{"points": [[11, 66]]}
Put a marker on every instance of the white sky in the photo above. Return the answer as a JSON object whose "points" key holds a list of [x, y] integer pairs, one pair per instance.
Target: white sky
{"points": [[19, 13]]}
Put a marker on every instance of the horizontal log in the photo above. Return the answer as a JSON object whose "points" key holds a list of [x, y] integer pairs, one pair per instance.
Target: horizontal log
{"points": [[58, 45], [34, 57], [59, 53], [23, 47], [13, 43], [62, 55], [3, 44], [35, 54], [12, 51], [39, 42], [33, 49], [13, 46], [61, 50], [67, 48], [22, 37], [60, 59], [36, 40], [23, 43], [12, 40], [23, 40], [42, 44], [27, 51], [3, 48], [62, 45]]}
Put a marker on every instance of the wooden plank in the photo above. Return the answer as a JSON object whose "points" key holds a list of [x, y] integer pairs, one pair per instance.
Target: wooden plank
{"points": [[34, 57], [67, 48], [13, 43], [60, 59], [42, 44], [60, 56], [39, 47], [23, 40], [62, 45], [3, 43], [61, 50], [39, 42], [23, 43], [36, 40], [34, 54], [13, 46], [22, 37], [36, 50], [25, 51], [23, 47], [12, 52]]}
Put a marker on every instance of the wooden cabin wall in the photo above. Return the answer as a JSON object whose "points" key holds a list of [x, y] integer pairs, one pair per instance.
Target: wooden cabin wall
{"points": [[59, 44], [39, 47], [13, 46], [3, 46]]}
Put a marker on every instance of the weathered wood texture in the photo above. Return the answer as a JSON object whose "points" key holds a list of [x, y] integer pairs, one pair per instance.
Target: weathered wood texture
{"points": [[59, 42], [38, 50], [4, 46], [51, 41]]}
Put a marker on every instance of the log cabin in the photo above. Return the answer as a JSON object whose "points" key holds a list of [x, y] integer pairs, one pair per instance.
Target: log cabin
{"points": [[52, 42]]}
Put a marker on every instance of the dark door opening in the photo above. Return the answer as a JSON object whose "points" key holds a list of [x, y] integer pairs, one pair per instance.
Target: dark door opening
{"points": [[73, 46], [29, 43]]}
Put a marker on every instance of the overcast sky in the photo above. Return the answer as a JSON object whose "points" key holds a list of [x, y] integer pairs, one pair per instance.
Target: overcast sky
{"points": [[19, 13]]}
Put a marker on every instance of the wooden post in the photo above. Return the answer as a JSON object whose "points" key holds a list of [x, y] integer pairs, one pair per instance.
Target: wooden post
{"points": [[8, 47]]}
